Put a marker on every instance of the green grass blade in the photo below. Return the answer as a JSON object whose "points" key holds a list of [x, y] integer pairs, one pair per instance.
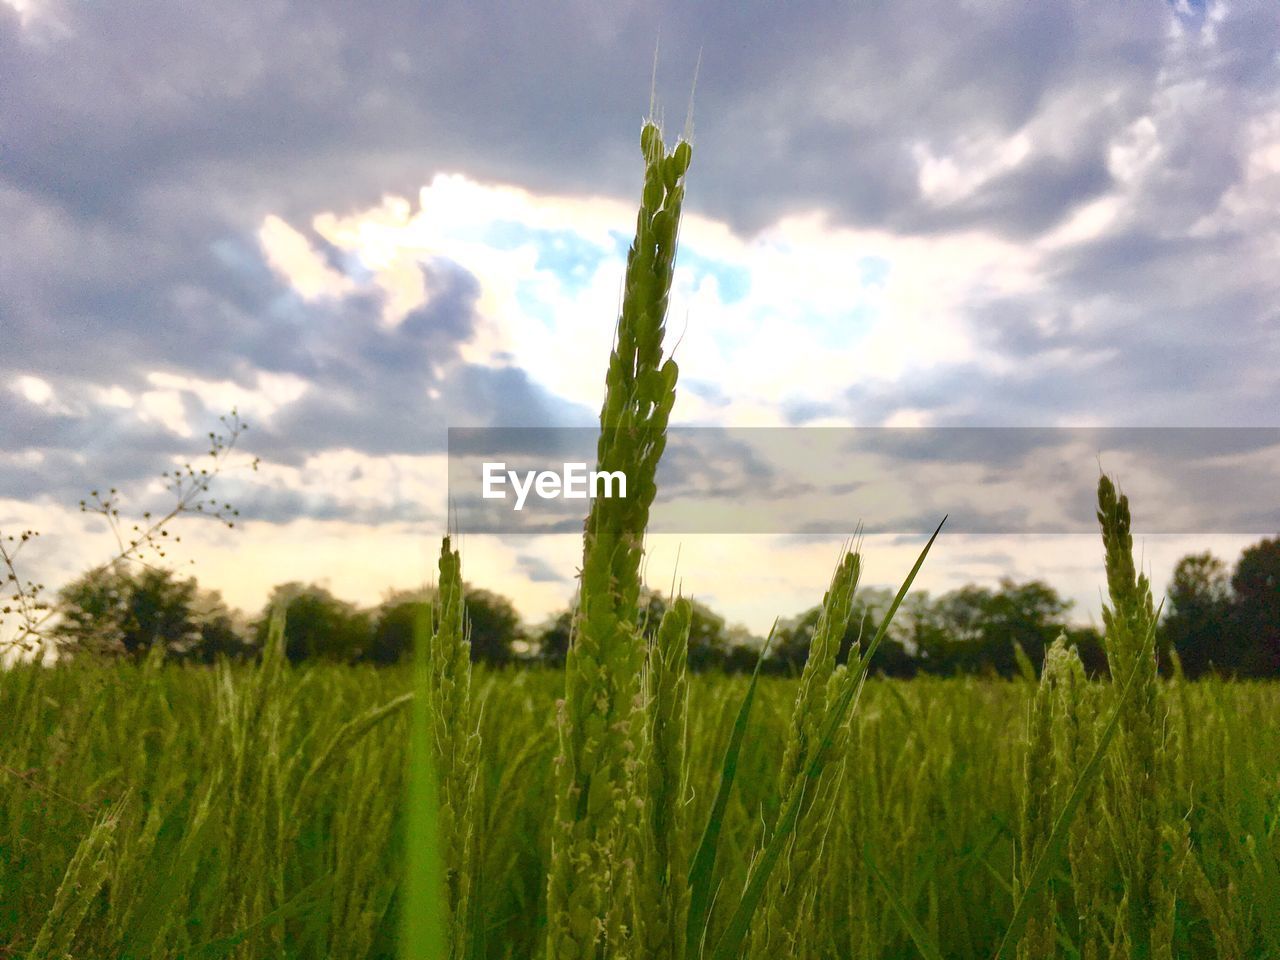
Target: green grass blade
{"points": [[1040, 873], [735, 933], [897, 600], [702, 867], [347, 735], [423, 921], [303, 901], [917, 933]]}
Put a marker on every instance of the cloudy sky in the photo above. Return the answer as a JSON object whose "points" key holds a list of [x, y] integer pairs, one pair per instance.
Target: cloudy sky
{"points": [[361, 225]]}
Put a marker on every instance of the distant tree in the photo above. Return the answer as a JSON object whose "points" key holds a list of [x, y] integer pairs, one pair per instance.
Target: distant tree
{"points": [[710, 641], [870, 604], [791, 642], [118, 611], [742, 649], [892, 658], [494, 624], [223, 632], [1256, 608], [219, 637], [1197, 623], [974, 629], [394, 621], [742, 657], [553, 639], [392, 639], [708, 637], [318, 626]]}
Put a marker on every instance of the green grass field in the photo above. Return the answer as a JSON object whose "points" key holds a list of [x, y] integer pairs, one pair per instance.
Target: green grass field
{"points": [[155, 811]]}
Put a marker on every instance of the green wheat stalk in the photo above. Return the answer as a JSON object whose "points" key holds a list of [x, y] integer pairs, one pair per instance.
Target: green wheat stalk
{"points": [[1137, 806], [662, 905], [789, 902], [591, 875], [457, 747]]}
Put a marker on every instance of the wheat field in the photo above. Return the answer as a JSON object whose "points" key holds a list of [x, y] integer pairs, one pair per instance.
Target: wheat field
{"points": [[156, 811]]}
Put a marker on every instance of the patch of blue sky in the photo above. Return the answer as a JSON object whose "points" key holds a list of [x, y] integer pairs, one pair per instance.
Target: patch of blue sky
{"points": [[733, 282], [534, 307], [621, 242], [838, 330], [570, 256], [1189, 11], [873, 271]]}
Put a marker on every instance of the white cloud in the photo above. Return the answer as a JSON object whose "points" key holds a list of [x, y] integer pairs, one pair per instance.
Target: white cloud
{"points": [[164, 407], [971, 162], [113, 396], [33, 389], [1089, 222], [353, 482], [271, 392], [291, 255], [810, 325]]}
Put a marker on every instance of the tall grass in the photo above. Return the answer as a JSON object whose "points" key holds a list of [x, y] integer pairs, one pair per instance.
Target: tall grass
{"points": [[933, 787], [598, 836]]}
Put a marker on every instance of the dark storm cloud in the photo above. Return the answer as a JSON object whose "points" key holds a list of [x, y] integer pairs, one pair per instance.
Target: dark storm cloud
{"points": [[834, 113], [143, 147], [291, 108]]}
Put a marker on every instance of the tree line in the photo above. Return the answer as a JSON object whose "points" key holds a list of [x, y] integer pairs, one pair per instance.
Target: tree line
{"points": [[1214, 620]]}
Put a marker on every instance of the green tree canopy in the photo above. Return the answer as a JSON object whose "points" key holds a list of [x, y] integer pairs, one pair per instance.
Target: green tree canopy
{"points": [[710, 641], [708, 636], [1198, 609], [120, 611], [553, 639], [1256, 610], [791, 645], [974, 629], [392, 639], [494, 626], [970, 630], [318, 626]]}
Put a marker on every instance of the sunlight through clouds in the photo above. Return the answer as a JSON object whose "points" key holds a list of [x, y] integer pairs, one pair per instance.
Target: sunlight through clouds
{"points": [[824, 325]]}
